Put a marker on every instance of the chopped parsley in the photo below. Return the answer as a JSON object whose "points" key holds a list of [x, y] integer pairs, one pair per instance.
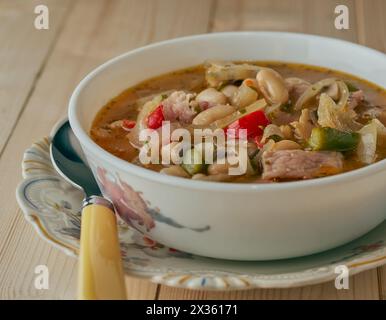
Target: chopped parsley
{"points": [[275, 137], [287, 107]]}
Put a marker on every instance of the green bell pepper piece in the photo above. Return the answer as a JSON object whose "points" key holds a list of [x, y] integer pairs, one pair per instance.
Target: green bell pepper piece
{"points": [[192, 162], [331, 139]]}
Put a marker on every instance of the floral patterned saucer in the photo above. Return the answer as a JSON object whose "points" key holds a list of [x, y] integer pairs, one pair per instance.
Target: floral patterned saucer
{"points": [[53, 208]]}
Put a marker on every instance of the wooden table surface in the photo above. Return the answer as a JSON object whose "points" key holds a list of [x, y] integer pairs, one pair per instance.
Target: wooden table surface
{"points": [[40, 68]]}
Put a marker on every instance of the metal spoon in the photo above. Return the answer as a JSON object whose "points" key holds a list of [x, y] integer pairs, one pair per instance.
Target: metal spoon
{"points": [[100, 265]]}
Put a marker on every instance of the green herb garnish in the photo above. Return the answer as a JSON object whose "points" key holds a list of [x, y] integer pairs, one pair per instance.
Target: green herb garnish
{"points": [[288, 107], [275, 137]]}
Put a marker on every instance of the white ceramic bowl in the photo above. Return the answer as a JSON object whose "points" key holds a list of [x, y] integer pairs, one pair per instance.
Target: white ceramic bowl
{"points": [[234, 221]]}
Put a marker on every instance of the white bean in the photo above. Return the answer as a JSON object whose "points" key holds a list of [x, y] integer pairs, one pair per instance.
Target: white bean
{"points": [[271, 130], [244, 96], [286, 145], [212, 97], [272, 86], [229, 90], [212, 114]]}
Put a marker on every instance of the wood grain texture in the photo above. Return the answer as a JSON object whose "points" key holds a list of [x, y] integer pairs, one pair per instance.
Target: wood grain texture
{"points": [[43, 69], [308, 16], [371, 16], [23, 52], [95, 31], [382, 282]]}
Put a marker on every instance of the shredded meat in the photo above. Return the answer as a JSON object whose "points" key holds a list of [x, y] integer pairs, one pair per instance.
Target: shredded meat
{"points": [[178, 106], [296, 88], [300, 164], [355, 99], [282, 118], [377, 112]]}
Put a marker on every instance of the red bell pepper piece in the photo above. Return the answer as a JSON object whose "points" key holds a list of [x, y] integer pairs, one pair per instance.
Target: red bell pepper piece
{"points": [[154, 120], [128, 124], [254, 123]]}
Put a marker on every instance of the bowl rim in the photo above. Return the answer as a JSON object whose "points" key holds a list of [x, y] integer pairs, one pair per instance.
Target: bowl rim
{"points": [[153, 176]]}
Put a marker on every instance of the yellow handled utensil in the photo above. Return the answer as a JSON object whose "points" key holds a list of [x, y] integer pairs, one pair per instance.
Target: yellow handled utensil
{"points": [[100, 264]]}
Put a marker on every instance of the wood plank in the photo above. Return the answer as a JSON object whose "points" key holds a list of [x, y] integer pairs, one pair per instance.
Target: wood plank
{"points": [[308, 16], [19, 260], [252, 15], [382, 282], [23, 51], [371, 15], [94, 31], [319, 18], [27, 251], [72, 57]]}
